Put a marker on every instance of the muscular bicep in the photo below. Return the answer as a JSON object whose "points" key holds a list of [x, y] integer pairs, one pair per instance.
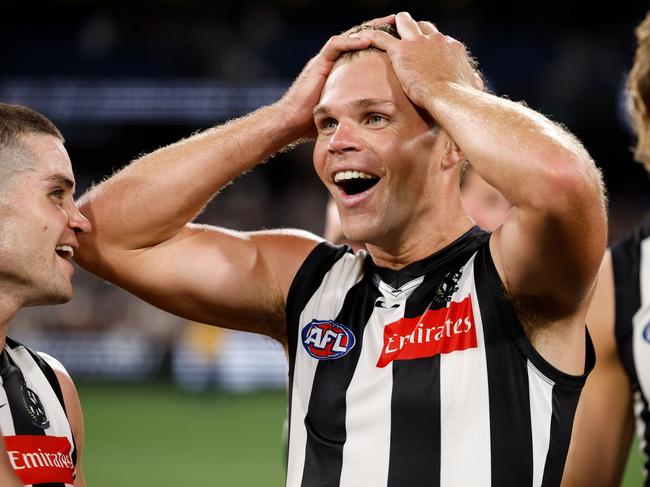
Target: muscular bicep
{"points": [[211, 275], [551, 250]]}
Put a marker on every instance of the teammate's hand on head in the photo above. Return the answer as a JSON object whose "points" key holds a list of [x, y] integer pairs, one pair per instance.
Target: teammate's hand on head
{"points": [[304, 94], [423, 57]]}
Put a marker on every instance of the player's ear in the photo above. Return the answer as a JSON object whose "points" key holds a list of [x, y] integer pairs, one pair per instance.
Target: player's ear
{"points": [[453, 155]]}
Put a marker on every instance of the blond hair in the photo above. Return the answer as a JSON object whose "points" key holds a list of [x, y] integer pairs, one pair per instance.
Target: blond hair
{"points": [[638, 89]]}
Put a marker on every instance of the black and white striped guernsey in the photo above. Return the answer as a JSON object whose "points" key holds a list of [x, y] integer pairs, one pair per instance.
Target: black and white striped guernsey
{"points": [[37, 434], [419, 377], [631, 265]]}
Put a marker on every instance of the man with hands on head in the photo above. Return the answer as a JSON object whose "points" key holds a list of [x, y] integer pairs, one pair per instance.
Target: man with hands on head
{"points": [[445, 355]]}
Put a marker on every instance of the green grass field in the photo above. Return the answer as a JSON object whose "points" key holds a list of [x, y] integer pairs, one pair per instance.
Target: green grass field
{"points": [[155, 435]]}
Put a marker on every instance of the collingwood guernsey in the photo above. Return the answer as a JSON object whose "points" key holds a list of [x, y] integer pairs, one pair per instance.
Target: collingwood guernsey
{"points": [[419, 377], [631, 266], [38, 438]]}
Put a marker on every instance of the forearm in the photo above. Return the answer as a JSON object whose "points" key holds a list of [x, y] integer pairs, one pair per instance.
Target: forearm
{"points": [[153, 198], [558, 229], [517, 150]]}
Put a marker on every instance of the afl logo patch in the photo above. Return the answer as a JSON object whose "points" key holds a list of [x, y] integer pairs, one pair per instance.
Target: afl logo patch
{"points": [[326, 340]]}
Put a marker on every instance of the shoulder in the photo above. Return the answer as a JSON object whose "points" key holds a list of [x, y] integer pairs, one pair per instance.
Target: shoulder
{"points": [[70, 398], [284, 251], [327, 267], [68, 387], [56, 366]]}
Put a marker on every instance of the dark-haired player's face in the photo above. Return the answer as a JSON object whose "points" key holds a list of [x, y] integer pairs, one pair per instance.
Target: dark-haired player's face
{"points": [[38, 218], [373, 150]]}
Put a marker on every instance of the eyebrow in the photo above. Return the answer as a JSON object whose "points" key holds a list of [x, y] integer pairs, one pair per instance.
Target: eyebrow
{"points": [[62, 180], [363, 104]]}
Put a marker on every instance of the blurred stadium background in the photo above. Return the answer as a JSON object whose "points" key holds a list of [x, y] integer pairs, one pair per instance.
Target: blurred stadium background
{"points": [[173, 403]]}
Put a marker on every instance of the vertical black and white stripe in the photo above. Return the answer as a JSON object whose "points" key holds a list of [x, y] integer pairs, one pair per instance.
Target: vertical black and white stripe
{"points": [[631, 265], [20, 367], [494, 415]]}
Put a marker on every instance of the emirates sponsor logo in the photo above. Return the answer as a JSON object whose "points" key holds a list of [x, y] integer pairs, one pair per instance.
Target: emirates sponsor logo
{"points": [[436, 331], [41, 459]]}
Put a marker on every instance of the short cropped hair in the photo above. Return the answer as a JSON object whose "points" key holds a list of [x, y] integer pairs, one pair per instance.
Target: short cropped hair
{"points": [[638, 90], [388, 28], [17, 121]]}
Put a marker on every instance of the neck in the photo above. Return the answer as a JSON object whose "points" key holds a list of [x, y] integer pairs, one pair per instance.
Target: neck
{"points": [[422, 240], [9, 306]]}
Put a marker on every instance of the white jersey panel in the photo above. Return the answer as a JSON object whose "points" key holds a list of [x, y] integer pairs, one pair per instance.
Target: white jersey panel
{"points": [[6, 423], [465, 459], [541, 412]]}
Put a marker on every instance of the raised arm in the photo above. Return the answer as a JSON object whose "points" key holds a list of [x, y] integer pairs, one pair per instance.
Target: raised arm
{"points": [[142, 238], [548, 250]]}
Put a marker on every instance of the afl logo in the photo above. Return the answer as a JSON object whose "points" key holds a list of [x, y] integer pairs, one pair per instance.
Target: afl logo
{"points": [[326, 340]]}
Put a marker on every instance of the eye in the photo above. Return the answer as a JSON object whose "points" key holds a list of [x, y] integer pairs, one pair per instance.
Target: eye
{"points": [[376, 119], [58, 194], [326, 125]]}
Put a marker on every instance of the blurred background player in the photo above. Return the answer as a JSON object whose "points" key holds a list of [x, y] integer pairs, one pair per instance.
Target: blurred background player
{"points": [[618, 390], [40, 414], [483, 202]]}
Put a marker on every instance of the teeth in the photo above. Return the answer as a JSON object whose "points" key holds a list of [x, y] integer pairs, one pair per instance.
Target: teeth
{"points": [[347, 175], [65, 249]]}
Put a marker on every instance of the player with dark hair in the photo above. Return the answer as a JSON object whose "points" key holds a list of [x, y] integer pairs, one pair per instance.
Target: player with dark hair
{"points": [[40, 413]]}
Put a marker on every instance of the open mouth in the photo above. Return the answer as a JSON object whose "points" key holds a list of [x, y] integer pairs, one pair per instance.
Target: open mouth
{"points": [[354, 182], [65, 251]]}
